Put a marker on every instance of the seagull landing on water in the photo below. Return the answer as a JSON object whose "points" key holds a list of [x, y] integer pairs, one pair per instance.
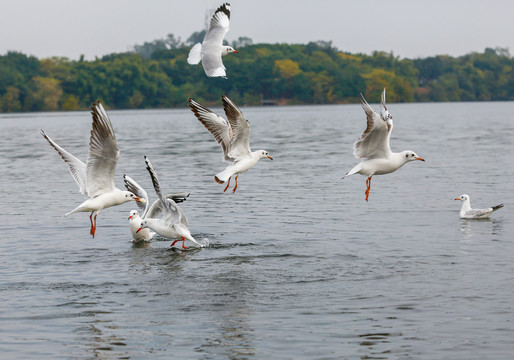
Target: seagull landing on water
{"points": [[233, 136], [373, 146], [95, 178], [152, 212], [212, 49], [466, 212], [173, 223]]}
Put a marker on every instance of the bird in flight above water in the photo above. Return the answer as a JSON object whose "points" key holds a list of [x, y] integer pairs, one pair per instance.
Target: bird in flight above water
{"points": [[373, 146], [233, 136], [212, 49], [95, 178]]}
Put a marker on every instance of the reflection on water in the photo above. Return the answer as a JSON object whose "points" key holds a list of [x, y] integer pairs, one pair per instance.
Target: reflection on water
{"points": [[478, 229], [232, 334]]}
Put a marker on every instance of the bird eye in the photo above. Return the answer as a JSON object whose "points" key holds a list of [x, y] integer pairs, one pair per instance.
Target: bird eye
{"points": [[406, 155]]}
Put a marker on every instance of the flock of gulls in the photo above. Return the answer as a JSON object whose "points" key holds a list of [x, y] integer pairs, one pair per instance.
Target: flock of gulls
{"points": [[95, 177]]}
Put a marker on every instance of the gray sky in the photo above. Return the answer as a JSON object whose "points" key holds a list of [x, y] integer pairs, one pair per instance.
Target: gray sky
{"points": [[408, 28]]}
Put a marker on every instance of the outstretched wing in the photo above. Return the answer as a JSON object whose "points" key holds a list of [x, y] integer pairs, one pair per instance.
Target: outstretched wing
{"points": [[213, 41], [240, 144], [77, 167], [136, 189], [156, 210], [217, 126], [171, 213], [103, 153], [374, 141]]}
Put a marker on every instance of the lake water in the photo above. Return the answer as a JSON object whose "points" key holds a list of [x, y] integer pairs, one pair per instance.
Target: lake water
{"points": [[300, 266]]}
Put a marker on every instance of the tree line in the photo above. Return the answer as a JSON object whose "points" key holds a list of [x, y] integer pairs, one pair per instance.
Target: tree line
{"points": [[156, 75]]}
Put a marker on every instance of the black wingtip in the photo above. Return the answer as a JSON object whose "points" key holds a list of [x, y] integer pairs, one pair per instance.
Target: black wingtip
{"points": [[224, 8]]}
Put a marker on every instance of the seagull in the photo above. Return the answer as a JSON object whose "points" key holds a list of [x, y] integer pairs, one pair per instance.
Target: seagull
{"points": [[95, 178], [233, 136], [212, 48], [466, 212], [173, 223], [373, 146], [153, 211]]}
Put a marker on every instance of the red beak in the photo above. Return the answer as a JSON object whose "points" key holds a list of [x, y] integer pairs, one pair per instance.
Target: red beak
{"points": [[138, 230]]}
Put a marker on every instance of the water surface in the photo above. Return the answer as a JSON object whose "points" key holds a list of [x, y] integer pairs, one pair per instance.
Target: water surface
{"points": [[300, 266]]}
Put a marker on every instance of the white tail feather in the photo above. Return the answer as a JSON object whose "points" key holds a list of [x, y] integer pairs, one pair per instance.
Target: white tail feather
{"points": [[195, 54]]}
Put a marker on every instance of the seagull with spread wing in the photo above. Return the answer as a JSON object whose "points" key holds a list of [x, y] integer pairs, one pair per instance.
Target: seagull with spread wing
{"points": [[373, 146], [233, 136], [212, 49], [149, 211], [173, 223], [95, 178]]}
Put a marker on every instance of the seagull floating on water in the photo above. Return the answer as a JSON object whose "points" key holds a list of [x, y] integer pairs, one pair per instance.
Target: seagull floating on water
{"points": [[96, 178], [233, 136], [373, 146], [153, 211], [212, 49], [173, 223], [466, 212]]}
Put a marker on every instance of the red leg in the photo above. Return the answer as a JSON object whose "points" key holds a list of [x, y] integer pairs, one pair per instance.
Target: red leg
{"points": [[183, 246], [235, 187], [91, 220], [368, 187], [173, 243], [94, 228], [228, 183]]}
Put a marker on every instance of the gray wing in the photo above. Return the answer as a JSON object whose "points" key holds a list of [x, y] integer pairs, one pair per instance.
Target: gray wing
{"points": [[77, 167], [178, 197], [217, 126], [374, 141], [103, 153], [136, 189], [155, 210], [479, 212], [171, 213], [240, 144], [213, 41]]}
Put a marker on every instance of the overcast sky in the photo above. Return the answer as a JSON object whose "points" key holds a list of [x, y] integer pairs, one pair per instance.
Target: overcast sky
{"points": [[408, 28]]}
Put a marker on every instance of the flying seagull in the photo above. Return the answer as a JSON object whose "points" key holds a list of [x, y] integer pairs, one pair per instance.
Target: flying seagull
{"points": [[95, 178], [233, 136], [373, 146], [212, 49]]}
